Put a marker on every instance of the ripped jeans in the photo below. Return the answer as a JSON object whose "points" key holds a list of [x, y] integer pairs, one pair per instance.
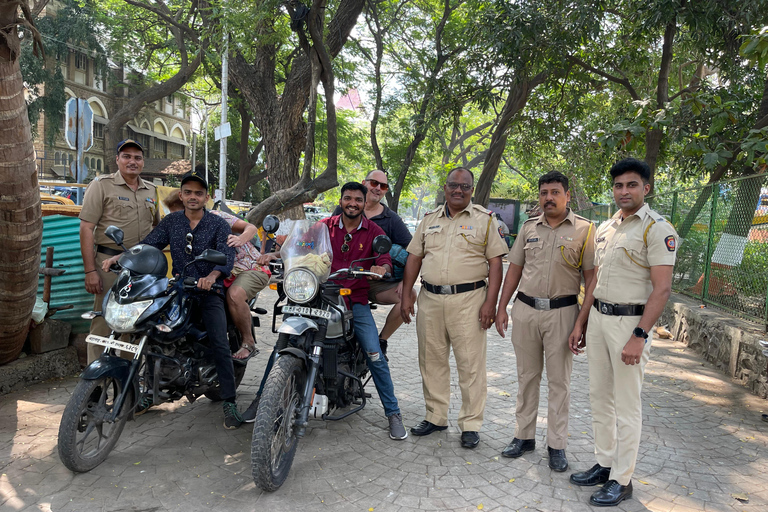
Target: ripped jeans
{"points": [[367, 335]]}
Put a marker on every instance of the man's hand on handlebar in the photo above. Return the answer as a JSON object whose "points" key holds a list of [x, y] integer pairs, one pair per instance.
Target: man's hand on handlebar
{"points": [[205, 283], [264, 259], [377, 270], [109, 262]]}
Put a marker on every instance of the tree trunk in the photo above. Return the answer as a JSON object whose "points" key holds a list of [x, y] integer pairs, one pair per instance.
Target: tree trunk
{"points": [[21, 226], [516, 101]]}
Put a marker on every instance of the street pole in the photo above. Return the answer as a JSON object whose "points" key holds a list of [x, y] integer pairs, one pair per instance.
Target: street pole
{"points": [[207, 115], [194, 147], [223, 140]]}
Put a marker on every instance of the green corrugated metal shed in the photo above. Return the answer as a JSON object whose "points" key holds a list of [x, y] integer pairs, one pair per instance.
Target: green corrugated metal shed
{"points": [[63, 233]]}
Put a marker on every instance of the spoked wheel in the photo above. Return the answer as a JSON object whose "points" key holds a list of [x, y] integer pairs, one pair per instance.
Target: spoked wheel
{"points": [[274, 441], [86, 436]]}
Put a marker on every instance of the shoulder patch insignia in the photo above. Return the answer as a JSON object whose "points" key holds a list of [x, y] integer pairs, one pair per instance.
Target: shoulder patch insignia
{"points": [[671, 243], [501, 233]]}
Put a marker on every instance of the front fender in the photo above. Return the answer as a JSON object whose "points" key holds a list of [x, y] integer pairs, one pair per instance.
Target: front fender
{"points": [[297, 353], [109, 366], [297, 325]]}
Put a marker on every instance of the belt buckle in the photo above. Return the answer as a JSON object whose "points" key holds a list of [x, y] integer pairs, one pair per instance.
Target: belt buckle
{"points": [[541, 304], [605, 308], [445, 289]]}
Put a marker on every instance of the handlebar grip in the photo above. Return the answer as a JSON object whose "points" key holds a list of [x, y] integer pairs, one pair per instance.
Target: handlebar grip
{"points": [[386, 275]]}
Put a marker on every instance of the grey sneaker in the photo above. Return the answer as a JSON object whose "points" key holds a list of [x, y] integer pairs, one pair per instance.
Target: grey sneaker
{"points": [[232, 418], [249, 415], [396, 429]]}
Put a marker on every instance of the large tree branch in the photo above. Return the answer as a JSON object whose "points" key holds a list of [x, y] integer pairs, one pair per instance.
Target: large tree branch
{"points": [[611, 78]]}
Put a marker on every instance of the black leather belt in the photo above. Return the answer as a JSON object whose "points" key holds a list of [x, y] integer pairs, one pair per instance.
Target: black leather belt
{"points": [[450, 289], [547, 304], [619, 309], [107, 250]]}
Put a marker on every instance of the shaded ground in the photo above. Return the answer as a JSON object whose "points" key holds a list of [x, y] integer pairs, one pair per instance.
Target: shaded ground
{"points": [[703, 442]]}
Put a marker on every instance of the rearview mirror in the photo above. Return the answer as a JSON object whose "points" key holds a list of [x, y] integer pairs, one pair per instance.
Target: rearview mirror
{"points": [[213, 256], [382, 244], [271, 224], [115, 234]]}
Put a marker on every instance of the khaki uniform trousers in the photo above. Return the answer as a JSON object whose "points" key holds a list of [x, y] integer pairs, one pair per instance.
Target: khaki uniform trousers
{"points": [[99, 326], [537, 335], [442, 322], [614, 392]]}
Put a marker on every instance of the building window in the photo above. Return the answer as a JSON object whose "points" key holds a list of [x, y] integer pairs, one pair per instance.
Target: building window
{"points": [[160, 145], [71, 158], [177, 150], [81, 61], [98, 165], [98, 130]]}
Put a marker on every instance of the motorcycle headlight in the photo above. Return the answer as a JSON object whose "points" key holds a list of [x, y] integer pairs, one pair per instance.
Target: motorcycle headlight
{"points": [[122, 317], [300, 285]]}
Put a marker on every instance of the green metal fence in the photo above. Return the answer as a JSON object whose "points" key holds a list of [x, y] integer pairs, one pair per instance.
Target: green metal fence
{"points": [[723, 255]]}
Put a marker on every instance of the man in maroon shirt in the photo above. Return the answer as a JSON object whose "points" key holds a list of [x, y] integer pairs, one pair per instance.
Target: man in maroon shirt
{"points": [[352, 238]]}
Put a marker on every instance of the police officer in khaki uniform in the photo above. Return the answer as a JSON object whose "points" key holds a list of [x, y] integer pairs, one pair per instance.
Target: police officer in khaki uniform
{"points": [[547, 261], [460, 247], [121, 199], [634, 259]]}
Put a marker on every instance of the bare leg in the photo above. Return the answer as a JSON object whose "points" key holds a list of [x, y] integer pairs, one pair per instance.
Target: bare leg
{"points": [[394, 319], [241, 315]]}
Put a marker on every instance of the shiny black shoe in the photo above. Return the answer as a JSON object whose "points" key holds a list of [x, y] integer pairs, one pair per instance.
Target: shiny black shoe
{"points": [[518, 447], [611, 494], [470, 439], [557, 460], [595, 475], [383, 344], [425, 428]]}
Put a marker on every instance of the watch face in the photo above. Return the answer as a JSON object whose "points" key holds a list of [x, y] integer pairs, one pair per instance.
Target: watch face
{"points": [[640, 333]]}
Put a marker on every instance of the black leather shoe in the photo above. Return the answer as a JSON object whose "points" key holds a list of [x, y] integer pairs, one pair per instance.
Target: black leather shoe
{"points": [[425, 428], [470, 439], [611, 494], [595, 475], [518, 447], [557, 460]]}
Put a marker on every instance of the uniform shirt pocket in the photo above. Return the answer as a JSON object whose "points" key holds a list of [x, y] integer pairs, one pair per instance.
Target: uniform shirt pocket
{"points": [[468, 239], [433, 238], [570, 251], [533, 248], [634, 252]]}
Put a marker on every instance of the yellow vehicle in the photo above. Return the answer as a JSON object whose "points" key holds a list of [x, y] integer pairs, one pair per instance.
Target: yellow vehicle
{"points": [[51, 199]]}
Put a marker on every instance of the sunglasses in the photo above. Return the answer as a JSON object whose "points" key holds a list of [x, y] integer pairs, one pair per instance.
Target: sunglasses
{"points": [[345, 245], [452, 185], [382, 186], [188, 248]]}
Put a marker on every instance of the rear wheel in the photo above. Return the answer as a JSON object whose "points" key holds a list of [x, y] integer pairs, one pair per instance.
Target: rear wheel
{"points": [[86, 436], [274, 441]]}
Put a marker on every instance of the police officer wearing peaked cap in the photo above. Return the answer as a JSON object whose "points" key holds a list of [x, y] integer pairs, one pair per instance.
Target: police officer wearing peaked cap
{"points": [[121, 199], [634, 259], [547, 261], [458, 249]]}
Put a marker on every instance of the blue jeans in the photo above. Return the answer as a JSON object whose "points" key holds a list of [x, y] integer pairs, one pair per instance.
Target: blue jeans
{"points": [[367, 335]]}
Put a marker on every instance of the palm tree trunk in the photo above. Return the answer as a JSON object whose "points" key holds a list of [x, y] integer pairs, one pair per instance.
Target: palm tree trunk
{"points": [[21, 225]]}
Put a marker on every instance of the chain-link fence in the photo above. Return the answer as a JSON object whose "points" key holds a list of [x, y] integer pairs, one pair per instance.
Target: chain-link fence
{"points": [[723, 254]]}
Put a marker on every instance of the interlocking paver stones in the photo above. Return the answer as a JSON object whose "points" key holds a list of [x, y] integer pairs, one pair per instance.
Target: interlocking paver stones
{"points": [[703, 441]]}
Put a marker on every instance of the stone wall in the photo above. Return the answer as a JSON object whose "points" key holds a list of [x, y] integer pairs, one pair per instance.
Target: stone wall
{"points": [[35, 368], [727, 342]]}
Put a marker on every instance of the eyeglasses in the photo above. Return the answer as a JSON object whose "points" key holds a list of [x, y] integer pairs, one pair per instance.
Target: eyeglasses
{"points": [[188, 248], [345, 245], [382, 186], [452, 185]]}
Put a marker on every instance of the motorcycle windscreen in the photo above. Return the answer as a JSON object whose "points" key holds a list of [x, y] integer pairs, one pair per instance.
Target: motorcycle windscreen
{"points": [[308, 246]]}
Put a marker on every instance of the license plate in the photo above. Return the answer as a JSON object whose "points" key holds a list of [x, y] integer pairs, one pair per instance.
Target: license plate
{"points": [[109, 342], [302, 310]]}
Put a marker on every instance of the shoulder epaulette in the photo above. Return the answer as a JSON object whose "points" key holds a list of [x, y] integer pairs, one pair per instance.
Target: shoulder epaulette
{"points": [[430, 212], [532, 219], [482, 209]]}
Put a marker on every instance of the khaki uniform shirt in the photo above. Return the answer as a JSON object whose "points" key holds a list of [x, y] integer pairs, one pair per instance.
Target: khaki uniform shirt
{"points": [[625, 251], [110, 201], [456, 250], [553, 257]]}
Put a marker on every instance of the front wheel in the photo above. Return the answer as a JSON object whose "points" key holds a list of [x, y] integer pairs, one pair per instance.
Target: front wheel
{"points": [[86, 436], [274, 441]]}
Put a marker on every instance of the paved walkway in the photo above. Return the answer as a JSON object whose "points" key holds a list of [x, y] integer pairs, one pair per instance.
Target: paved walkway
{"points": [[703, 443]]}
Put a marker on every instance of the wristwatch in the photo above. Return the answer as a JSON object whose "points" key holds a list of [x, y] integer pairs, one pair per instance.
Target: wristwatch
{"points": [[640, 333]]}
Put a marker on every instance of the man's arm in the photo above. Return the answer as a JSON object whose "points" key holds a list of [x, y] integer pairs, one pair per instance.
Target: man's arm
{"points": [[411, 272], [247, 232], [488, 309], [511, 281], [661, 280], [93, 283], [159, 237], [576, 340]]}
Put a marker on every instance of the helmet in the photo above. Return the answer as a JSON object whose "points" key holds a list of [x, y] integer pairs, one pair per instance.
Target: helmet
{"points": [[144, 259]]}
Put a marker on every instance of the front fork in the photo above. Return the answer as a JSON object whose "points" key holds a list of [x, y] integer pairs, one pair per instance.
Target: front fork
{"points": [[309, 386], [129, 381]]}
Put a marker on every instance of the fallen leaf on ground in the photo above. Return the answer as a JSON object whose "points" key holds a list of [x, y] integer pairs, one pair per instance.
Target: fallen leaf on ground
{"points": [[741, 496]]}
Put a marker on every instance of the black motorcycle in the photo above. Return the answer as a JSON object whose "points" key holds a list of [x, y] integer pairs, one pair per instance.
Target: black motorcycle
{"points": [[319, 369], [170, 354]]}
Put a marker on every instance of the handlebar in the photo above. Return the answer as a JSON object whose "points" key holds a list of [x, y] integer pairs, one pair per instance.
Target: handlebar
{"points": [[356, 274], [191, 283]]}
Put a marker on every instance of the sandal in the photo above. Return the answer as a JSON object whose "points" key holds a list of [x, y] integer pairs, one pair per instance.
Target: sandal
{"points": [[251, 352]]}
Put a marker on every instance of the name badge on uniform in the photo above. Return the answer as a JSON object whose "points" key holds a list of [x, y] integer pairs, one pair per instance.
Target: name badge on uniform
{"points": [[532, 240], [671, 243], [123, 198], [434, 227]]}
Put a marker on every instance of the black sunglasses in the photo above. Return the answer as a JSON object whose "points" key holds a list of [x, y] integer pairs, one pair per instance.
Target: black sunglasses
{"points": [[345, 245], [188, 248]]}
